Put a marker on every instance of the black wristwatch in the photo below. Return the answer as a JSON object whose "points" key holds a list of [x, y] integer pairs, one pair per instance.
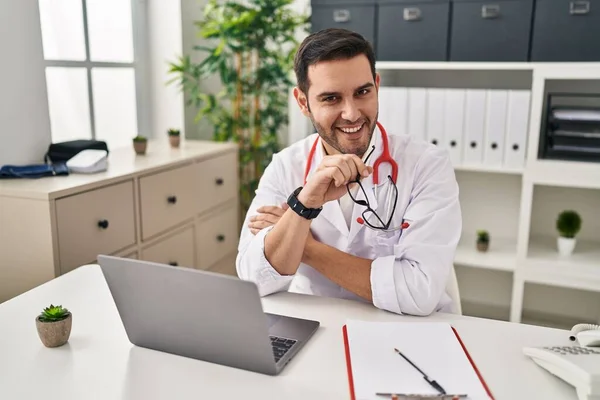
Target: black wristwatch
{"points": [[294, 203]]}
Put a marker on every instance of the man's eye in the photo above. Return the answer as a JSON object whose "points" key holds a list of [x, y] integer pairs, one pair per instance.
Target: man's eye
{"points": [[362, 92], [330, 99]]}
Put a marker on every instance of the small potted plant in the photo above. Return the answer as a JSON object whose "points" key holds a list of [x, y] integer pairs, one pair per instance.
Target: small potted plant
{"points": [[483, 240], [140, 144], [568, 225], [54, 326], [174, 137]]}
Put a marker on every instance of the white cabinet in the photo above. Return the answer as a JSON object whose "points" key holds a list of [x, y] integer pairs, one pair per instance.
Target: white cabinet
{"points": [[172, 206]]}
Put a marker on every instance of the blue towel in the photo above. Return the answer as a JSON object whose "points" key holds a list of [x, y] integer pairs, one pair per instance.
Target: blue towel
{"points": [[33, 171]]}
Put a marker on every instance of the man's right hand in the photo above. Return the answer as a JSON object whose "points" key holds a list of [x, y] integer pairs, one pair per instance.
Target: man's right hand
{"points": [[330, 179]]}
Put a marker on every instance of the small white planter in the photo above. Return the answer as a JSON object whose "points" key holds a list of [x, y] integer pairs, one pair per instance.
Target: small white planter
{"points": [[565, 246]]}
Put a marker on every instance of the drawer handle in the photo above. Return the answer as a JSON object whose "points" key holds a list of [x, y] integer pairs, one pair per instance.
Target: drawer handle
{"points": [[453, 143], [578, 7], [103, 223], [494, 146], [473, 144], [172, 199], [341, 16], [515, 147], [219, 181], [412, 14], [173, 263], [490, 11], [220, 238], [434, 141]]}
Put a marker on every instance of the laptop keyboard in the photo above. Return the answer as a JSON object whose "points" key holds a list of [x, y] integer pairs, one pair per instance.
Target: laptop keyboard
{"points": [[281, 346]]}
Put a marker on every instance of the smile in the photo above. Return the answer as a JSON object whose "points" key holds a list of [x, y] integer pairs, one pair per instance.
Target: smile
{"points": [[352, 130]]}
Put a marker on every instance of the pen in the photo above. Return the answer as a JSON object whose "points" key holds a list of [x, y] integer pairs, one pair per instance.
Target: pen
{"points": [[433, 383]]}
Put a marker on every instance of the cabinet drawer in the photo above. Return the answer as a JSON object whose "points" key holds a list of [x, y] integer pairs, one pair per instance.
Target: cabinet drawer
{"points": [[355, 15], [167, 198], [176, 250], [412, 30], [502, 30], [217, 181], [97, 222], [217, 237]]}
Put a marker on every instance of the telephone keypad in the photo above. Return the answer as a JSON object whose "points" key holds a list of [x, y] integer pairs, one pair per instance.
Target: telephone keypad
{"points": [[572, 350]]}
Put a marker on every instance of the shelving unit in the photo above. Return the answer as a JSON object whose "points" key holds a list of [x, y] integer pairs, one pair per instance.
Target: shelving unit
{"points": [[508, 201]]}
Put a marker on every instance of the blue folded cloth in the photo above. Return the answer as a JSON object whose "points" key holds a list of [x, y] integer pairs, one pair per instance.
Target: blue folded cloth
{"points": [[33, 171]]}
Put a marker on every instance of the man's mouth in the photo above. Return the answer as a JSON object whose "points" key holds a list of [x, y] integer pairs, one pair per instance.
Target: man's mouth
{"points": [[351, 129]]}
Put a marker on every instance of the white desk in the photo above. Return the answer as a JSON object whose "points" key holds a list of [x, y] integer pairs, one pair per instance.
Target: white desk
{"points": [[100, 363]]}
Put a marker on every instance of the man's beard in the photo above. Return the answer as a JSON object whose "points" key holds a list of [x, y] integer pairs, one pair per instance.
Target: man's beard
{"points": [[331, 137]]}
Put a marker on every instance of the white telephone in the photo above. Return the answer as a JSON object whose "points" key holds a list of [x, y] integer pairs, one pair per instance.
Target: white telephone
{"points": [[578, 365]]}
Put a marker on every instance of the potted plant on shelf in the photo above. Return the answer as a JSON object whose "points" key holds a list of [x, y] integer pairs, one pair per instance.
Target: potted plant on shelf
{"points": [[140, 144], [483, 240], [568, 225], [174, 137], [54, 325]]}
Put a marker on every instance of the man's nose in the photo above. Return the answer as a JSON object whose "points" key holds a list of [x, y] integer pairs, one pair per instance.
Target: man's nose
{"points": [[350, 111]]}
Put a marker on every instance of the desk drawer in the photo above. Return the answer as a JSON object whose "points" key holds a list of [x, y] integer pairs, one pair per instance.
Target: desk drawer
{"points": [[176, 250], [167, 198], [100, 221], [217, 181], [217, 237]]}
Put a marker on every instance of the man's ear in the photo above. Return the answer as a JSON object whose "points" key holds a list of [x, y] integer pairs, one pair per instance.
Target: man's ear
{"points": [[377, 80], [302, 101]]}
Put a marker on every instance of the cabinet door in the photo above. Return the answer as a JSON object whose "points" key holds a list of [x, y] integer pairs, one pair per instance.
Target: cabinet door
{"points": [[176, 250], [100, 221], [216, 180], [355, 17]]}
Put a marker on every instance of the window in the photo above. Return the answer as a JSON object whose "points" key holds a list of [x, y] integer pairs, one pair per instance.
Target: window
{"points": [[93, 70]]}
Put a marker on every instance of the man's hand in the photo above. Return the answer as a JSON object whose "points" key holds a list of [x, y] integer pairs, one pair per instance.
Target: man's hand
{"points": [[330, 179], [268, 215]]}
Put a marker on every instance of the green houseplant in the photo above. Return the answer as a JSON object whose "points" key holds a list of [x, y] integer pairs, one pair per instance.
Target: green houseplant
{"points": [[140, 144], [568, 225], [483, 240], [174, 137], [54, 325], [251, 49]]}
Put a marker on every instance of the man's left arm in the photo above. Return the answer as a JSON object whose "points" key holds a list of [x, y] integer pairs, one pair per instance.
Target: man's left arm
{"points": [[414, 278]]}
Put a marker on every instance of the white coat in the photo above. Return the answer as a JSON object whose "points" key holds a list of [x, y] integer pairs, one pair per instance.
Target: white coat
{"points": [[410, 267]]}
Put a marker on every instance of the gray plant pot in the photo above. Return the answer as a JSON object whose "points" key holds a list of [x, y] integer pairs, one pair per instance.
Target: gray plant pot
{"points": [[54, 334]]}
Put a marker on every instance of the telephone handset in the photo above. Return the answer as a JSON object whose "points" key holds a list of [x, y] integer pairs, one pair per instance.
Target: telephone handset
{"points": [[578, 365]]}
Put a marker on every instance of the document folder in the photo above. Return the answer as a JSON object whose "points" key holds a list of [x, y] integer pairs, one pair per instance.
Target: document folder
{"points": [[375, 370]]}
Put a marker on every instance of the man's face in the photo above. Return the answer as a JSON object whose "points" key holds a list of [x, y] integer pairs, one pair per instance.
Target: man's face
{"points": [[342, 103]]}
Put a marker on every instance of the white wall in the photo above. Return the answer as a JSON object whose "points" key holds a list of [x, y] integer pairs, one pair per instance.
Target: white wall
{"points": [[24, 115], [164, 46]]}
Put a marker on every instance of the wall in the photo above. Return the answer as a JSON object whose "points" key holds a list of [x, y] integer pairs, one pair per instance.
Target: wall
{"points": [[24, 115]]}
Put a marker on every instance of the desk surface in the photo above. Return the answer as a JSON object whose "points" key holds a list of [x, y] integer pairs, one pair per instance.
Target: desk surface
{"points": [[100, 363]]}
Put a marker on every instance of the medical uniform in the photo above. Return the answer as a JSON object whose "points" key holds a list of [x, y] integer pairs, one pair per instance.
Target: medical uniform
{"points": [[410, 267]]}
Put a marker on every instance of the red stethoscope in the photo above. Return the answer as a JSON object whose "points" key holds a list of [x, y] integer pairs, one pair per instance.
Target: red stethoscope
{"points": [[385, 157]]}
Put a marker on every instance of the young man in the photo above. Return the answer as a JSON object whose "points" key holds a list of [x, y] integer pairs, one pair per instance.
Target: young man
{"points": [[333, 216]]}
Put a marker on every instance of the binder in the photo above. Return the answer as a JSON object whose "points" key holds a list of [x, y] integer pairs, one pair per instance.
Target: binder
{"points": [[474, 126], [495, 127], [516, 128], [454, 118], [435, 347], [393, 109], [417, 112], [435, 116]]}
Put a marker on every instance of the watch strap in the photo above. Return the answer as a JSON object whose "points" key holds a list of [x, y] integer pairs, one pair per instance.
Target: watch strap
{"points": [[299, 208]]}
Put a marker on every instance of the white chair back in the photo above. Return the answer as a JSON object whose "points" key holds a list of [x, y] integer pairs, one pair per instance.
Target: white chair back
{"points": [[454, 292]]}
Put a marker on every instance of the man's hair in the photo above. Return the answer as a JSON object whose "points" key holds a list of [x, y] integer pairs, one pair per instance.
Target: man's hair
{"points": [[328, 45]]}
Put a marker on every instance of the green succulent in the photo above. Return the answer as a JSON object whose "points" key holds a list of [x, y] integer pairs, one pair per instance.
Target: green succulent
{"points": [[568, 223], [173, 132], [54, 313], [483, 236], [140, 139]]}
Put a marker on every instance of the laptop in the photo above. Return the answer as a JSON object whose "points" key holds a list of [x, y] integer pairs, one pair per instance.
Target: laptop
{"points": [[202, 315]]}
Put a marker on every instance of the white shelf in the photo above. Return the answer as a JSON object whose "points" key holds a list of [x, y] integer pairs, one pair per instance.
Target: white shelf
{"points": [[545, 265], [490, 169], [501, 255], [509, 66], [564, 173]]}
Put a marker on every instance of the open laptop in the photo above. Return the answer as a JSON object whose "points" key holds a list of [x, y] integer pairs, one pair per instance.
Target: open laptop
{"points": [[202, 315]]}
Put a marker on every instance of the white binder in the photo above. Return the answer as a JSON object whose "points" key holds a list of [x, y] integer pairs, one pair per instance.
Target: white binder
{"points": [[473, 142], [417, 112], [454, 123], [517, 126], [435, 116], [495, 127], [393, 109]]}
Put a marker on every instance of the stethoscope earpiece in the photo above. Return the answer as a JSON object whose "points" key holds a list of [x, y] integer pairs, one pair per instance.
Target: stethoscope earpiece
{"points": [[360, 220]]}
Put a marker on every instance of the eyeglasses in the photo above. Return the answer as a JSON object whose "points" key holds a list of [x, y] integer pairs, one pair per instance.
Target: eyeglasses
{"points": [[370, 216]]}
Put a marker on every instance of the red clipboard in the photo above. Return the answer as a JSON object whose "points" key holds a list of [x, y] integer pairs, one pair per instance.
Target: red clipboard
{"points": [[349, 364]]}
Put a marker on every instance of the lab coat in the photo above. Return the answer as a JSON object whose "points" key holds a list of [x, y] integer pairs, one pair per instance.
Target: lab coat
{"points": [[410, 267]]}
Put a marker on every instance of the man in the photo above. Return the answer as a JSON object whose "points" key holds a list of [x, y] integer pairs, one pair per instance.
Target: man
{"points": [[379, 235]]}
